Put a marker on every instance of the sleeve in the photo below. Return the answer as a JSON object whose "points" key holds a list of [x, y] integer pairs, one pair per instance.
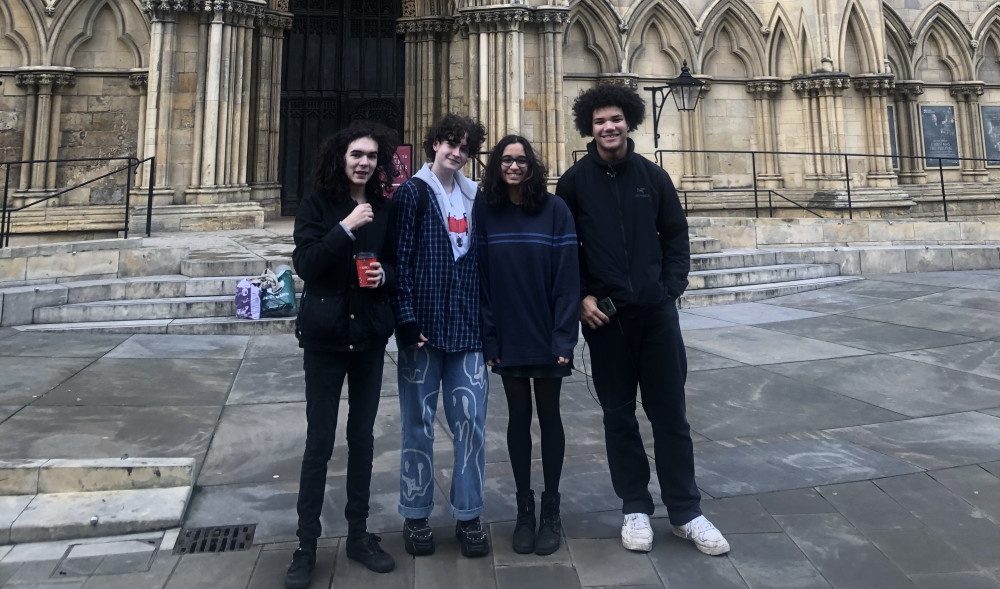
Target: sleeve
{"points": [[491, 344], [672, 225], [566, 190], [319, 243], [565, 286], [405, 204], [388, 253]]}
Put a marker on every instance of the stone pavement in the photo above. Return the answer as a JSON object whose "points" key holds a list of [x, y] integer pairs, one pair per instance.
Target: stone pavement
{"points": [[845, 437]]}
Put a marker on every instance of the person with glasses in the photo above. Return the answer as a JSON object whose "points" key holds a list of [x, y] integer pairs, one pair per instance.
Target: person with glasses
{"points": [[530, 295]]}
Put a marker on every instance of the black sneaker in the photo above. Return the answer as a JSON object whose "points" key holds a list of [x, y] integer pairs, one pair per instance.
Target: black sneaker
{"points": [[418, 539], [300, 572], [367, 551], [472, 538]]}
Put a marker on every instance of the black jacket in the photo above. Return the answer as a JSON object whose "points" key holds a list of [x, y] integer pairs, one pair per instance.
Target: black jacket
{"points": [[335, 314], [633, 233]]}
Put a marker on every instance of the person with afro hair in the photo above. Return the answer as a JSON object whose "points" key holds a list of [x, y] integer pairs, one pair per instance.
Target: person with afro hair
{"points": [[634, 262]]}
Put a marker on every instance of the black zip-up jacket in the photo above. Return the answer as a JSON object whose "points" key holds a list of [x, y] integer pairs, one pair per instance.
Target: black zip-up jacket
{"points": [[633, 233], [335, 314]]}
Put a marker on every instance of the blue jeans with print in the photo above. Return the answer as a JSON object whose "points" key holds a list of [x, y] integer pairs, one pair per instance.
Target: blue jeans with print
{"points": [[462, 376]]}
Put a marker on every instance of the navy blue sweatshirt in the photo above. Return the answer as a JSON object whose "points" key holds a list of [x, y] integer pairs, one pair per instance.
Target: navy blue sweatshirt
{"points": [[530, 279]]}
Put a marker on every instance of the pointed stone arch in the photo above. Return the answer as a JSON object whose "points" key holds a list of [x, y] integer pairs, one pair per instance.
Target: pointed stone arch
{"points": [[782, 59], [590, 42], [986, 36], [735, 20], [673, 25], [18, 46], [77, 29], [898, 50], [808, 61], [943, 43], [858, 48]]}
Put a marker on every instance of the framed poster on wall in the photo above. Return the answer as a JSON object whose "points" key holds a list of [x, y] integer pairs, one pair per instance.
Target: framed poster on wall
{"points": [[940, 141], [991, 134]]}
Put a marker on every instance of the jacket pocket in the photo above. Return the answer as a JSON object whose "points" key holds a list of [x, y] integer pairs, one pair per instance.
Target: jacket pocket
{"points": [[372, 318], [322, 317]]}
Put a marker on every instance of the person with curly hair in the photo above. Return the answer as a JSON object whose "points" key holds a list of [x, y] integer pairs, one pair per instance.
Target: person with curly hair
{"points": [[634, 263], [439, 337], [344, 323], [530, 280]]}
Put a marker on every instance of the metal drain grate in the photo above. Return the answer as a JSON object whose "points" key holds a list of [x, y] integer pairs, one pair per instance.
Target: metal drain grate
{"points": [[215, 539]]}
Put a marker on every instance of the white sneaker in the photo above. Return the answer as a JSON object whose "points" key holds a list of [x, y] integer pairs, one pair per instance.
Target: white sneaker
{"points": [[705, 536], [637, 534]]}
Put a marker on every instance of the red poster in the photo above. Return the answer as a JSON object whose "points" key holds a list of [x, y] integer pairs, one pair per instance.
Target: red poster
{"points": [[403, 159]]}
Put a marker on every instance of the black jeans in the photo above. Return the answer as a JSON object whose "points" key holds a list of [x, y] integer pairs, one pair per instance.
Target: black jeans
{"points": [[325, 372], [646, 349]]}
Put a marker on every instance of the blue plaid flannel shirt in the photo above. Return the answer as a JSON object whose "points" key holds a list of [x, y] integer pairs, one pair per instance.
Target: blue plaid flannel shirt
{"points": [[437, 292]]}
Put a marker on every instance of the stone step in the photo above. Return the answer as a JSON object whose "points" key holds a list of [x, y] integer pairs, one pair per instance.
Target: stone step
{"points": [[154, 287], [705, 245], [138, 309], [756, 292], [228, 325], [223, 265], [732, 259], [704, 279]]}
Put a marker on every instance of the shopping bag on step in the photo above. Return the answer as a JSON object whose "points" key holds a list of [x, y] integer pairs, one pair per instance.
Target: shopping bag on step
{"points": [[247, 300], [277, 297]]}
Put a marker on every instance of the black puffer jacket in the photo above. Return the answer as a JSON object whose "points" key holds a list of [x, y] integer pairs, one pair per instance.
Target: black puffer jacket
{"points": [[631, 227], [335, 313]]}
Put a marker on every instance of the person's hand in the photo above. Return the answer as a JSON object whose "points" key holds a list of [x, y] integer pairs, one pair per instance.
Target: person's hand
{"points": [[375, 274], [562, 361], [420, 344], [493, 362], [590, 315], [359, 217]]}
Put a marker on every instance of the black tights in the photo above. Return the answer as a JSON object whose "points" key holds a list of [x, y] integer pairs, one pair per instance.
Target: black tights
{"points": [[519, 430]]}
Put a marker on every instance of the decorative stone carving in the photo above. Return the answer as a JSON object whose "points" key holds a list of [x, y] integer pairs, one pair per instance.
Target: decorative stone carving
{"points": [[491, 19], [223, 6], [45, 79], [765, 31], [626, 80], [817, 83], [434, 24], [967, 91], [908, 90], [138, 80], [280, 5], [875, 85], [409, 8], [974, 43], [764, 88], [50, 7]]}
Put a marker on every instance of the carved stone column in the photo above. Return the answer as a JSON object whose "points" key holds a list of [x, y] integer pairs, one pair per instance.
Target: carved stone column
{"points": [[266, 100], [41, 131], [695, 175], [427, 45], [140, 81], [495, 87], [764, 91], [908, 132], [822, 97], [969, 126], [551, 138], [876, 89], [160, 91]]}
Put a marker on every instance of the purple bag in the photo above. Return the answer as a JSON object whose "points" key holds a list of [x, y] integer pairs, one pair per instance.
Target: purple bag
{"points": [[247, 300]]}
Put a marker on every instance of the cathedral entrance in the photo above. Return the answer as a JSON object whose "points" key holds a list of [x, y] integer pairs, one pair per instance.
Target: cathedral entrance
{"points": [[342, 61]]}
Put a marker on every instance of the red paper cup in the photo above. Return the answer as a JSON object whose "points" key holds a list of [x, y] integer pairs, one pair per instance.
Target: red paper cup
{"points": [[364, 261]]}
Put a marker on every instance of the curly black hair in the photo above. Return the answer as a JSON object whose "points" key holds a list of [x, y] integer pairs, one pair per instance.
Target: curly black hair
{"points": [[494, 190], [330, 175], [452, 127], [603, 95]]}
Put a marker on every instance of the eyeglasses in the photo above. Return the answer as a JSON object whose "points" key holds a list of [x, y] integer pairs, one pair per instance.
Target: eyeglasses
{"points": [[507, 161]]}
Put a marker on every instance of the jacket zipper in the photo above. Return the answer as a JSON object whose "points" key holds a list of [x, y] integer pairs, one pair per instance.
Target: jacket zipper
{"points": [[621, 225]]}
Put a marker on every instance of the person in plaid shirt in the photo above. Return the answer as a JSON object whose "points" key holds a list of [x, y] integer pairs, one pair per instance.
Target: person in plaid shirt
{"points": [[439, 338]]}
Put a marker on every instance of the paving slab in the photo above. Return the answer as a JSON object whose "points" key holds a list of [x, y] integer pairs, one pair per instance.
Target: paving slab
{"points": [[23, 380], [773, 561], [750, 401], [181, 346], [605, 562], [751, 313], [687, 569], [146, 382], [965, 580], [867, 334], [754, 345], [258, 444], [827, 301], [843, 555], [501, 537], [273, 346], [59, 345], [919, 553], [977, 486], [99, 432], [691, 322], [975, 323], [271, 566], [870, 509], [982, 358], [735, 515], [913, 389], [932, 442], [540, 576], [779, 466], [701, 360], [988, 300], [877, 287], [350, 573], [278, 379], [950, 279], [8, 410], [446, 566], [226, 570], [794, 502]]}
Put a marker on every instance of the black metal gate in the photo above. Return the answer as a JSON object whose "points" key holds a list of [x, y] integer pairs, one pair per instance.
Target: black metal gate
{"points": [[342, 61]]}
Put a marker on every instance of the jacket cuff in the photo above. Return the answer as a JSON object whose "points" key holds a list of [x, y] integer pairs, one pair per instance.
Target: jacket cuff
{"points": [[407, 334]]}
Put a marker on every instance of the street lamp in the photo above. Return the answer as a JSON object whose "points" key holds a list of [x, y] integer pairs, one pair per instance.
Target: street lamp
{"points": [[686, 90]]}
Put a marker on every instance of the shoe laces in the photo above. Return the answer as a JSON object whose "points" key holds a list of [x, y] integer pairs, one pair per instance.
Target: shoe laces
{"points": [[472, 527], [699, 526], [301, 559], [636, 521]]}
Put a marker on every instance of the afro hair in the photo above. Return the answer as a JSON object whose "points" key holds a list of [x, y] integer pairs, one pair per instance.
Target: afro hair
{"points": [[604, 95]]}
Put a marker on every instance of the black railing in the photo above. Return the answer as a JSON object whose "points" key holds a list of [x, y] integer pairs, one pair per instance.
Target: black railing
{"points": [[929, 163], [130, 168]]}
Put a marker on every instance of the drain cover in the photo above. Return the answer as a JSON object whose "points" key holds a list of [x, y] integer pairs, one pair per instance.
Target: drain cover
{"points": [[215, 539]]}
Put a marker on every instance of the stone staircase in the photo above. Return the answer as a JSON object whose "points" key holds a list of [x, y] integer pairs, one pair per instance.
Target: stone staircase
{"points": [[196, 298]]}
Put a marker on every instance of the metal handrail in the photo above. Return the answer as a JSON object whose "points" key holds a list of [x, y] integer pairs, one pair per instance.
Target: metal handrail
{"points": [[132, 167]]}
